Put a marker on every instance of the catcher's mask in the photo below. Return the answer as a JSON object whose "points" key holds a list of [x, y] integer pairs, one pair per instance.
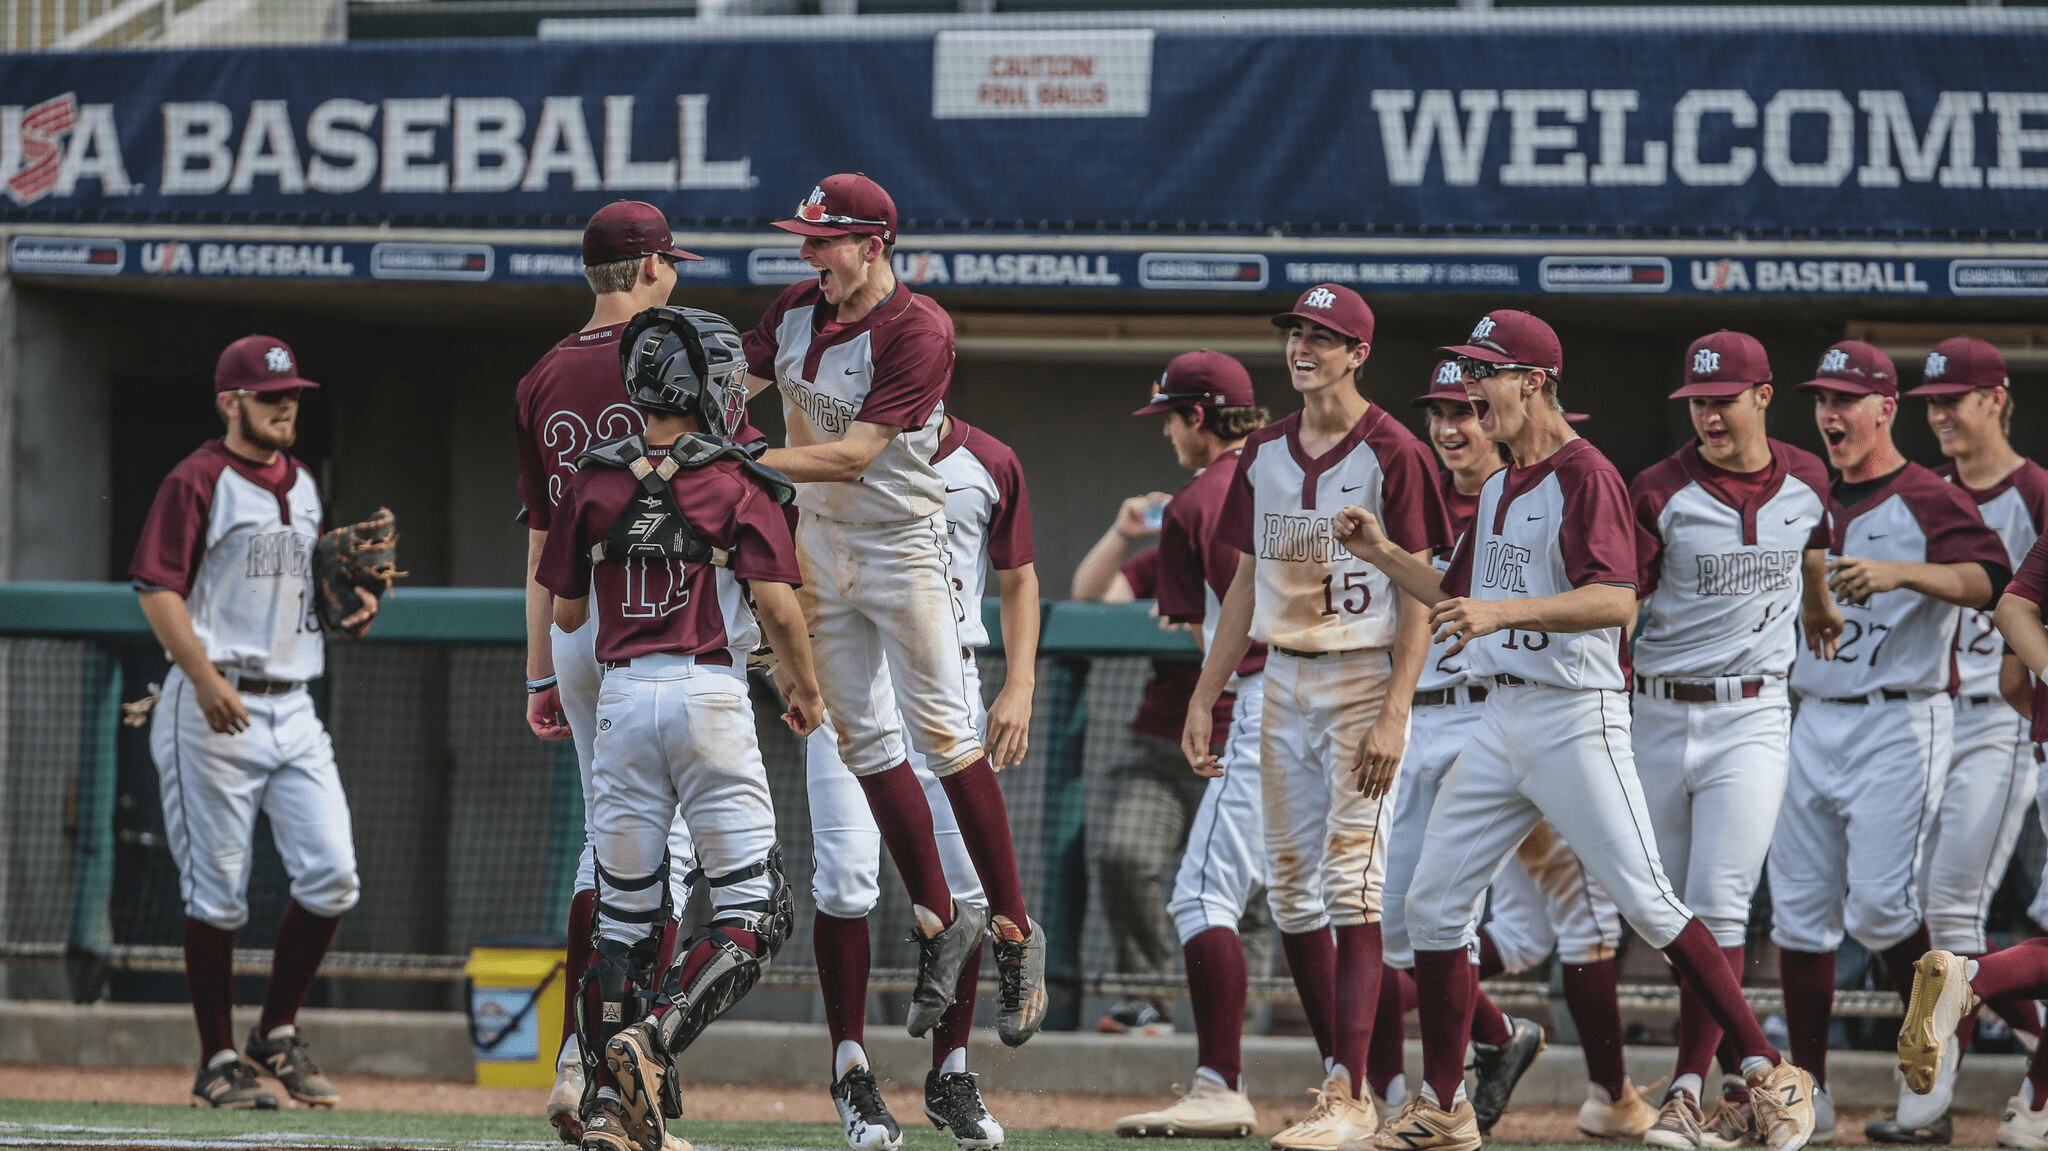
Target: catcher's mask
{"points": [[688, 362]]}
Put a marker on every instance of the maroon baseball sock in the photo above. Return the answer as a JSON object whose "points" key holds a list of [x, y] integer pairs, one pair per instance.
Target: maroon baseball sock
{"points": [[1444, 989], [1899, 959], [302, 941], [1217, 991], [904, 817], [2019, 970], [1589, 993], [1490, 962], [985, 830], [1489, 1024], [1312, 960], [210, 973], [1359, 959], [582, 952], [1698, 1035], [1385, 1056], [841, 946], [1808, 978], [957, 1023], [1700, 963]]}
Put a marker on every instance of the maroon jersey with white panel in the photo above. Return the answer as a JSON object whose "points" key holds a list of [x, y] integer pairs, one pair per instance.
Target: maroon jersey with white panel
{"points": [[1900, 640], [988, 518], [573, 398], [2030, 583], [1196, 566], [643, 606], [235, 540], [890, 367], [1559, 524], [1718, 557], [1312, 594], [2015, 508], [1442, 670]]}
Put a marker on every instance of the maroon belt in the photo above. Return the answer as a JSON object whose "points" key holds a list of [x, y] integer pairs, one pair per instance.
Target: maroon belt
{"points": [[718, 658], [251, 686], [1685, 692]]}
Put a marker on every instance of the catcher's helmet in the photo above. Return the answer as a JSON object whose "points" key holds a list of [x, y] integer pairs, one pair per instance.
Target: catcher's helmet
{"points": [[686, 361]]}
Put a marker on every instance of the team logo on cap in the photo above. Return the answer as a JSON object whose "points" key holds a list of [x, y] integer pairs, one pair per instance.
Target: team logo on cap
{"points": [[1449, 375], [1319, 298], [812, 208], [1836, 360], [1706, 362], [1937, 365], [277, 360], [1483, 328]]}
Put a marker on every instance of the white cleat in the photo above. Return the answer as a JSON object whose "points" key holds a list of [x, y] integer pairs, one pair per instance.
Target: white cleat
{"points": [[1208, 1111], [1627, 1117], [2022, 1125], [1915, 1110], [1941, 996], [565, 1100]]}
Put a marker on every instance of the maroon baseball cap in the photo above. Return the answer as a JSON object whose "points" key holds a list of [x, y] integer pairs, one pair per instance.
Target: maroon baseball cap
{"points": [[1507, 336], [1855, 368], [848, 203], [1200, 379], [1335, 307], [258, 364], [1448, 383], [628, 230], [1723, 363], [1961, 364]]}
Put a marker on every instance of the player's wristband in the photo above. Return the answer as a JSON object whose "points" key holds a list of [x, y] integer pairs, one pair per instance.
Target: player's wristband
{"points": [[538, 685]]}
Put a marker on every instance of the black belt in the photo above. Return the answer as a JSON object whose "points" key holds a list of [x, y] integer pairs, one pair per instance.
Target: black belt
{"points": [[1690, 692], [718, 658], [1311, 654], [1889, 694], [1511, 681], [1448, 695], [1982, 700], [248, 685]]}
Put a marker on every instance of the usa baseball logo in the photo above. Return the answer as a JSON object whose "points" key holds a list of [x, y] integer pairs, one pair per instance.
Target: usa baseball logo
{"points": [[1836, 360], [278, 360], [1483, 328], [1706, 362], [1937, 365], [1319, 298], [42, 128], [1448, 375]]}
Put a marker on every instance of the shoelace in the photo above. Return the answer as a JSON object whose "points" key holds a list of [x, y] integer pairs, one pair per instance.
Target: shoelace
{"points": [[959, 1100], [1010, 970], [866, 1097], [298, 1055], [927, 956]]}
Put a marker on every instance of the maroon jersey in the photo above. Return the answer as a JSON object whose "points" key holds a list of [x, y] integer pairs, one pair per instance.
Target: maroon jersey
{"points": [[1195, 564], [1163, 706], [643, 606], [2030, 583], [573, 398]]}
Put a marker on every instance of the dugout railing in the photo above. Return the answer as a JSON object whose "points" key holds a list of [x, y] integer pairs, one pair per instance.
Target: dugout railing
{"points": [[468, 828]]}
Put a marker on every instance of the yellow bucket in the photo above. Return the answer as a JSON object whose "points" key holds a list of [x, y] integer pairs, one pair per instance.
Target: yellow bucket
{"points": [[515, 1011]]}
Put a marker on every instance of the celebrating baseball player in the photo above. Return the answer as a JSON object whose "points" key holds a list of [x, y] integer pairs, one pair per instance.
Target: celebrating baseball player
{"points": [[863, 365], [1870, 745], [225, 571], [988, 518], [1207, 405], [1344, 652], [1540, 592], [571, 400], [1731, 537], [677, 543]]}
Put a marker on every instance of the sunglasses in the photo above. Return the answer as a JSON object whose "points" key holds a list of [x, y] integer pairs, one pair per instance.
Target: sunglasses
{"points": [[814, 213], [271, 398], [1486, 370]]}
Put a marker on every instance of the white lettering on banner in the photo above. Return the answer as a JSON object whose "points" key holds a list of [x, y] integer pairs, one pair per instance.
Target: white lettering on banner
{"points": [[2015, 140], [922, 268], [268, 149], [1890, 124], [1614, 168], [488, 128], [1031, 268], [1831, 169], [1527, 136], [1826, 277], [265, 260], [977, 75], [565, 265], [1410, 272], [1436, 120]]}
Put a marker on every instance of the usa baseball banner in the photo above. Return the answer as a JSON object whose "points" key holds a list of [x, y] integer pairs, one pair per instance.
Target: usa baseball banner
{"points": [[1644, 128]]}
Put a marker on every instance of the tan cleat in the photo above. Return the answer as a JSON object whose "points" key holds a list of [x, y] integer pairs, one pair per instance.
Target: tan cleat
{"points": [[1335, 1119], [1424, 1125], [1679, 1124], [670, 1141], [1941, 997], [565, 1102], [1731, 1121], [1208, 1111], [604, 1127], [1627, 1117], [1782, 1098]]}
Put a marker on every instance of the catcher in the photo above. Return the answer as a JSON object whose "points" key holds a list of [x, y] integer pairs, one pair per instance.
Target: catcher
{"points": [[226, 572]]}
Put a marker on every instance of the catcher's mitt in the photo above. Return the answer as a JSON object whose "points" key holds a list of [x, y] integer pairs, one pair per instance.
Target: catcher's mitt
{"points": [[359, 555]]}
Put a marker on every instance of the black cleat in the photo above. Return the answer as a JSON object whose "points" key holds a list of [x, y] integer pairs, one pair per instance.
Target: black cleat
{"points": [[952, 1100], [1496, 1070], [940, 959], [1887, 1129], [231, 1086], [287, 1058]]}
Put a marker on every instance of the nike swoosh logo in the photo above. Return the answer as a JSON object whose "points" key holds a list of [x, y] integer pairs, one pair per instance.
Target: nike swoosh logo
{"points": [[1533, 519], [853, 371], [1352, 488], [1875, 536], [1793, 520], [951, 490]]}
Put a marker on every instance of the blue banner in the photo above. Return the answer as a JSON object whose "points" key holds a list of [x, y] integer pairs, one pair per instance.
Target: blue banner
{"points": [[1661, 131]]}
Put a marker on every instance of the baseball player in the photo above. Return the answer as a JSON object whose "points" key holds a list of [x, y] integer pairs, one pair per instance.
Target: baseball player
{"points": [[863, 365], [571, 400], [1871, 741], [1208, 410], [1731, 538], [1343, 654], [225, 578], [988, 523], [1540, 592], [677, 543]]}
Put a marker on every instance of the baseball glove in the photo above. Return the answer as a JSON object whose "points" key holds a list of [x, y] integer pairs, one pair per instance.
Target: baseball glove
{"points": [[359, 555]]}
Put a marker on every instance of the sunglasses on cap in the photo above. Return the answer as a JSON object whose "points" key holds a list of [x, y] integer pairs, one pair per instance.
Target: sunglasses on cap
{"points": [[1486, 369], [276, 397], [815, 213], [1161, 395]]}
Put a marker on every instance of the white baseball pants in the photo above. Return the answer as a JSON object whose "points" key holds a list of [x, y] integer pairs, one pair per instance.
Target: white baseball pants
{"points": [[1225, 858], [1436, 734], [1983, 805], [1543, 900]]}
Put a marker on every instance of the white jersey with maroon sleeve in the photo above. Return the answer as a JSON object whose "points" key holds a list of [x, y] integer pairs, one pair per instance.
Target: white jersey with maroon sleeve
{"points": [[1559, 524], [235, 540], [890, 367], [1443, 671], [2015, 508], [1900, 640], [1311, 594], [988, 518], [1723, 579]]}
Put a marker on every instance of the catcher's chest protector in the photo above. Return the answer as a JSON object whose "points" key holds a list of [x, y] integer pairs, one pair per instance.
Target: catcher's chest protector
{"points": [[652, 526]]}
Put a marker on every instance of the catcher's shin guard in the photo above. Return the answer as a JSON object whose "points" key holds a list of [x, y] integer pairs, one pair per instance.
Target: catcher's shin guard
{"points": [[726, 971], [623, 985]]}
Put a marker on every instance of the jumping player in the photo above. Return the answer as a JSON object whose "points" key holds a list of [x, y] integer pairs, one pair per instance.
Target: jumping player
{"points": [[1731, 537], [863, 365], [1344, 651], [1550, 572], [225, 578], [1870, 744], [988, 523], [678, 545], [572, 399], [1207, 407]]}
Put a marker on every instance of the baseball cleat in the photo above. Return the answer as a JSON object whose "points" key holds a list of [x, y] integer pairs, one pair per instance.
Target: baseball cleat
{"points": [[604, 1127], [640, 1066], [565, 1102], [1941, 997], [1731, 1121], [670, 1141], [231, 1086], [1888, 1129], [1916, 1111], [952, 1100], [940, 957], [2022, 1126], [1782, 1097], [283, 1054], [1627, 1117], [1335, 1120], [864, 1119], [1135, 1016], [1208, 1111], [1679, 1124], [1020, 966], [1497, 1068], [1425, 1125]]}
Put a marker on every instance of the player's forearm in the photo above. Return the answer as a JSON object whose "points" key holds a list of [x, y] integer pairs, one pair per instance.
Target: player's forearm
{"points": [[1098, 569], [843, 460], [2015, 685], [1964, 585], [540, 605], [782, 624], [1588, 608], [1410, 650], [1410, 573], [1233, 636], [571, 614], [2019, 621], [1017, 604], [1813, 570], [756, 385], [171, 622]]}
